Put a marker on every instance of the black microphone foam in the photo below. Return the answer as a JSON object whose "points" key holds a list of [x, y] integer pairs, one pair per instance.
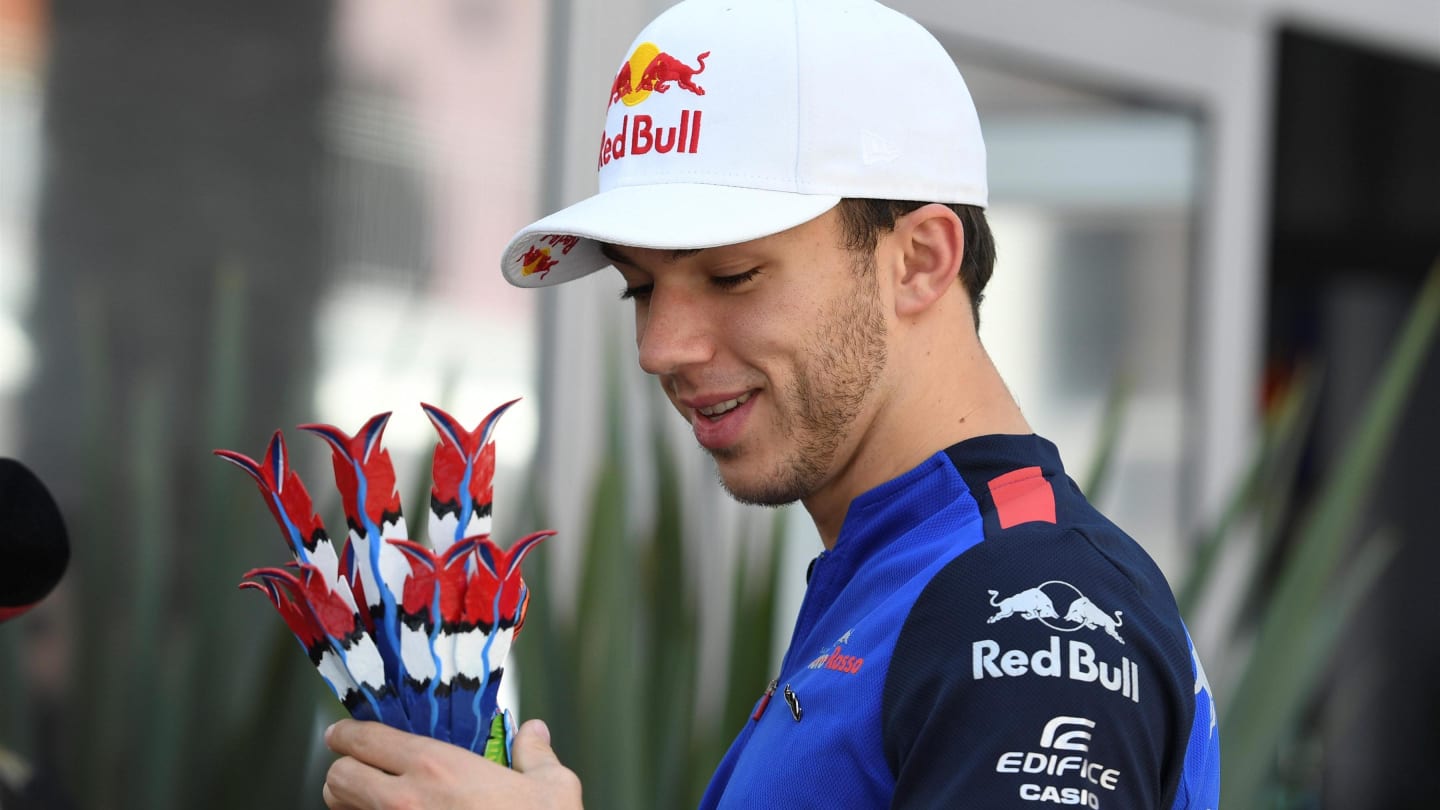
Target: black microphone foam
{"points": [[34, 548]]}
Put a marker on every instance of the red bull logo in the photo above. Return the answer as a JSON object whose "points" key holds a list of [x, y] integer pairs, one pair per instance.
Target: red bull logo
{"points": [[538, 260], [651, 70], [1038, 603], [657, 71], [1075, 659]]}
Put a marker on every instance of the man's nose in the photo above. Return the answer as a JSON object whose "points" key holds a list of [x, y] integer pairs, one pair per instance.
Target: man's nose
{"points": [[675, 332]]}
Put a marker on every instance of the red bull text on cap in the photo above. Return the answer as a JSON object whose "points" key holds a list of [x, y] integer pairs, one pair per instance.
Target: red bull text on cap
{"points": [[658, 72]]}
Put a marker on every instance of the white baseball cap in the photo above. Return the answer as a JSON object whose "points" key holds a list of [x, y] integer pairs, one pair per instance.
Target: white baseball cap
{"points": [[730, 120]]}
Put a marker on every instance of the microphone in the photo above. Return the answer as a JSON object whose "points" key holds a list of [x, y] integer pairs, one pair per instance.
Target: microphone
{"points": [[34, 548]]}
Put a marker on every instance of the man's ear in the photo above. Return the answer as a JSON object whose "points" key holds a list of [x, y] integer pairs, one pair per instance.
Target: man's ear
{"points": [[931, 242]]}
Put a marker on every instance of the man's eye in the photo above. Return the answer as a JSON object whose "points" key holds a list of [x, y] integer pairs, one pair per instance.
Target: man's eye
{"points": [[731, 282], [633, 293]]}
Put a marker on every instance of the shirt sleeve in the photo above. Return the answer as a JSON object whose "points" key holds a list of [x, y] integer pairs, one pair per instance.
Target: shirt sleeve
{"points": [[1034, 672]]}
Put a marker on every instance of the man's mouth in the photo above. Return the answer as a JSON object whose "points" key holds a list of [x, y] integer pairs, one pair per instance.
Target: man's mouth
{"points": [[719, 409]]}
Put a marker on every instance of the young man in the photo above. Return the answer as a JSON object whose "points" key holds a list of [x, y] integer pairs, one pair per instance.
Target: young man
{"points": [[793, 193]]}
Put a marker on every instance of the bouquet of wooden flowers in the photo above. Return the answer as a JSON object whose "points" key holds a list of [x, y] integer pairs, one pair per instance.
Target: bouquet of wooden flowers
{"points": [[410, 635]]}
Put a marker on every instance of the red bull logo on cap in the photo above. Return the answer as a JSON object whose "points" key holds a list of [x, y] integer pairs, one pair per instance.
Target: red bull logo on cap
{"points": [[538, 261], [651, 70], [657, 71]]}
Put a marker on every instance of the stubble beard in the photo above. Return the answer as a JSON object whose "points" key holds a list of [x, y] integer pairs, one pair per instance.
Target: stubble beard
{"points": [[839, 366]]}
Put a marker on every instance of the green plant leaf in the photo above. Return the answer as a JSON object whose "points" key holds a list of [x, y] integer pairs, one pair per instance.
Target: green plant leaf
{"points": [[669, 648], [1284, 428], [1112, 422], [1290, 648], [606, 623]]}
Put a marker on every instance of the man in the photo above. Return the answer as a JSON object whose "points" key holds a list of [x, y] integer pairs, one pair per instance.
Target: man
{"points": [[974, 634]]}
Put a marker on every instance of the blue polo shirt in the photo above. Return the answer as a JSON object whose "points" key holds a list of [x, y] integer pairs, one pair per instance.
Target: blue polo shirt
{"points": [[980, 636]]}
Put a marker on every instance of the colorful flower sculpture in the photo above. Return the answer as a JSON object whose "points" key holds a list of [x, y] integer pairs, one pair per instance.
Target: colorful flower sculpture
{"points": [[412, 636]]}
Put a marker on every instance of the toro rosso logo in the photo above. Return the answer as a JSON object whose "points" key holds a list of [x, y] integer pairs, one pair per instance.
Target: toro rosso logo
{"points": [[1038, 604], [651, 70]]}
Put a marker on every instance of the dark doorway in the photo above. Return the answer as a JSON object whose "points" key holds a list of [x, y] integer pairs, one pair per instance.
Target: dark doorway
{"points": [[1355, 225]]}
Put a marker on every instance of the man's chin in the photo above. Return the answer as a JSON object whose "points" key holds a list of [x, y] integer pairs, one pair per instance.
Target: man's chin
{"points": [[759, 496], [754, 488]]}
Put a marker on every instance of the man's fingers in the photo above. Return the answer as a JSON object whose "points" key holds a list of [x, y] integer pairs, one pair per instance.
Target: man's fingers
{"points": [[380, 767], [345, 784], [531, 747], [534, 757], [333, 802], [352, 785], [374, 744]]}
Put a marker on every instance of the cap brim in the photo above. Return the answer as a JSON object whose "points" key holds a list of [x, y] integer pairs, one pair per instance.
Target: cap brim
{"points": [[672, 216]]}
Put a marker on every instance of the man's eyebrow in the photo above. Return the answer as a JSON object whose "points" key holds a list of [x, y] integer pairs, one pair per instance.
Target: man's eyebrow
{"points": [[615, 254]]}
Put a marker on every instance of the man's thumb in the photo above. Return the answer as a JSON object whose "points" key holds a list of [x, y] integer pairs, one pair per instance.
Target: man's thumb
{"points": [[531, 747]]}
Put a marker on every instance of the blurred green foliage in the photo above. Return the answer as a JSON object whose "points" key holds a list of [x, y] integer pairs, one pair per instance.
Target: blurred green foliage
{"points": [[1284, 638], [182, 692]]}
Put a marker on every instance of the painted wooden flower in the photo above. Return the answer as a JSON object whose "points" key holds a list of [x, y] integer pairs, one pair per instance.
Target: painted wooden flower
{"points": [[410, 635]]}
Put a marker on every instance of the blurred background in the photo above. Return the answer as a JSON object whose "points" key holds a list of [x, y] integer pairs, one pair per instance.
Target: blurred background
{"points": [[1215, 220]]}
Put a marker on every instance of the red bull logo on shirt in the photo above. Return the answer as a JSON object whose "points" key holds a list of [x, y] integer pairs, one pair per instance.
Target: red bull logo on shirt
{"points": [[651, 70], [1074, 659], [1038, 603]]}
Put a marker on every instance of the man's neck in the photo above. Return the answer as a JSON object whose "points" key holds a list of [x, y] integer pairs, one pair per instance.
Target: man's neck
{"points": [[931, 406]]}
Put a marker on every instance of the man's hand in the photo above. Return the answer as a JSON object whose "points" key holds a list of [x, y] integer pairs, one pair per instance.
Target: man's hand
{"points": [[381, 768]]}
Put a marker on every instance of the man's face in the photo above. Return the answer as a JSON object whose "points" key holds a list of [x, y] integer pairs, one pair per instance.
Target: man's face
{"points": [[774, 351]]}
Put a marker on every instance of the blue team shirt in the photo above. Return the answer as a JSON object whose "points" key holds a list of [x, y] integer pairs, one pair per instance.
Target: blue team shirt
{"points": [[980, 636]]}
